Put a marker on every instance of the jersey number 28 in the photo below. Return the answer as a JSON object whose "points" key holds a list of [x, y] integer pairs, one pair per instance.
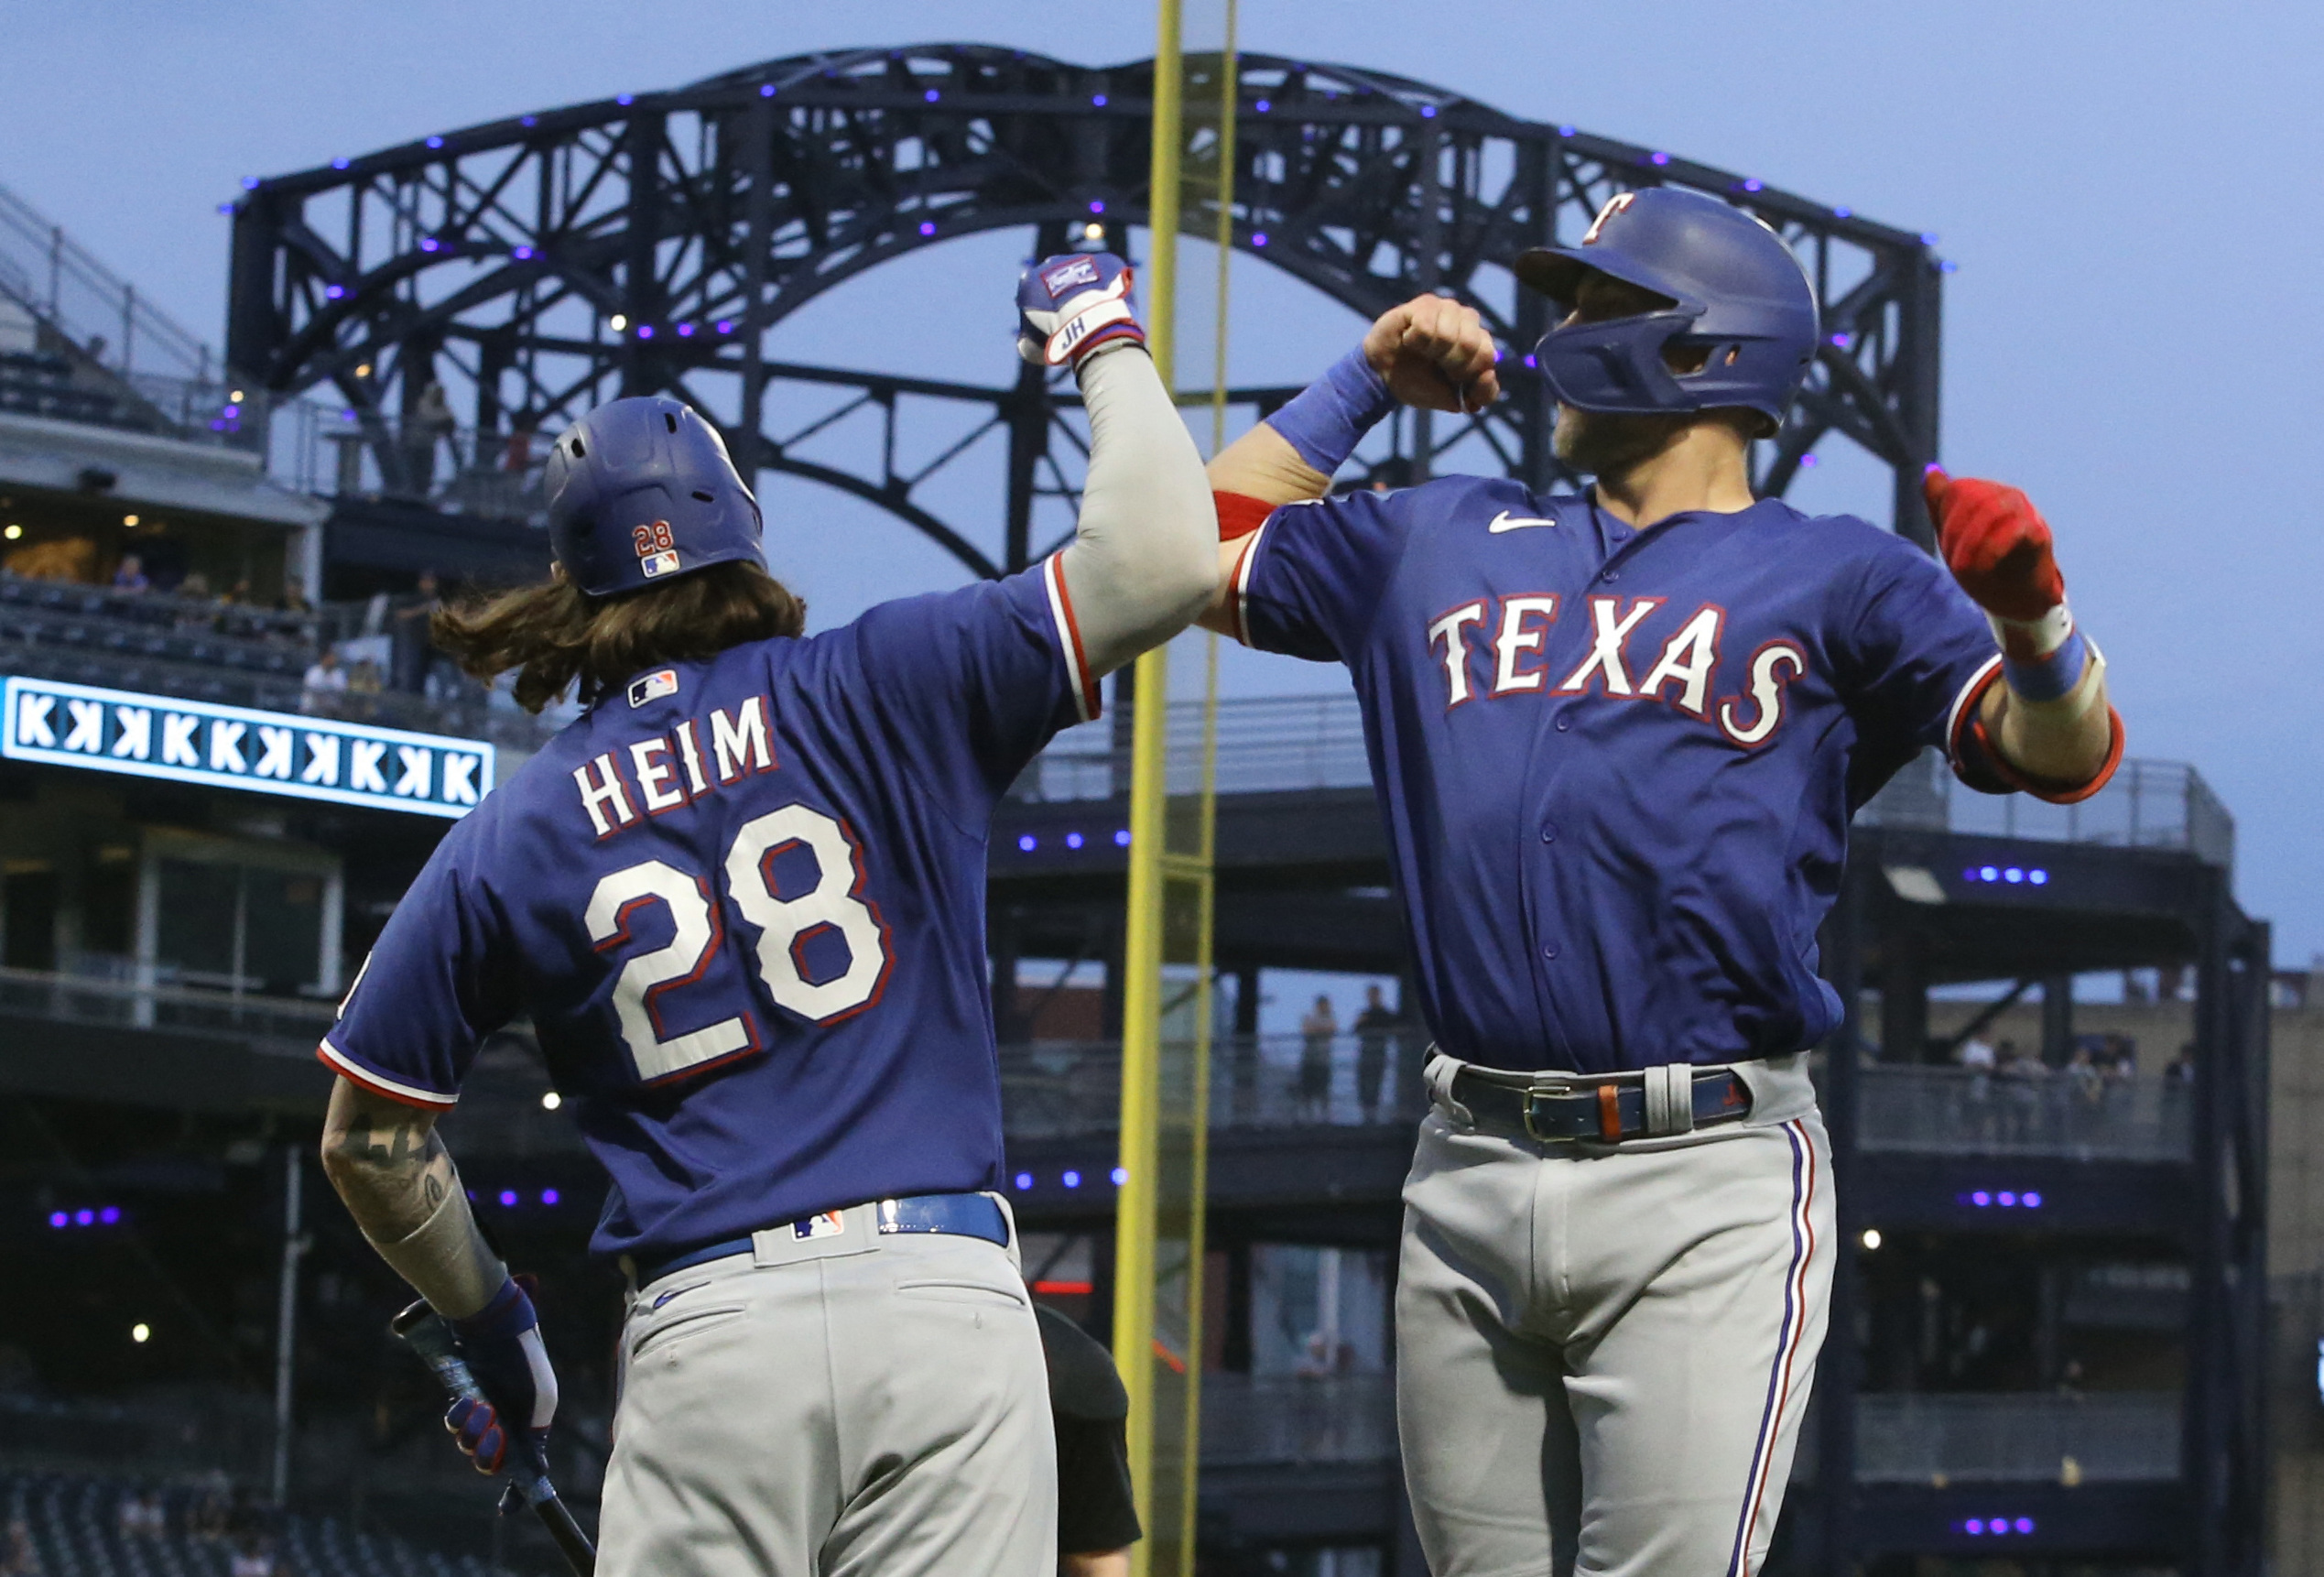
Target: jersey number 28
{"points": [[784, 925]]}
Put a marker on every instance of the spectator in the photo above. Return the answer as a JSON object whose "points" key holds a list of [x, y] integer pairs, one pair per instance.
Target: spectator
{"points": [[413, 652], [1976, 1054], [433, 422], [23, 1560], [2182, 1067], [324, 690], [518, 457], [1316, 1032], [129, 575], [2023, 1073], [1375, 1027], [252, 1558], [362, 691]]}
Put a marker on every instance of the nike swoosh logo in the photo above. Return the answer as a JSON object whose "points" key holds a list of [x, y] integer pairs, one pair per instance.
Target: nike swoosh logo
{"points": [[1504, 521]]}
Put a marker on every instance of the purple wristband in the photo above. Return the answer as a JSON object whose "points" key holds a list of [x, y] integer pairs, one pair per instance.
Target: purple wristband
{"points": [[2050, 677], [1328, 419]]}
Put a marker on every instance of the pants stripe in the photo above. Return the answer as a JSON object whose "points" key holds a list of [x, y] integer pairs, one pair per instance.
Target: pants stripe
{"points": [[1787, 1343]]}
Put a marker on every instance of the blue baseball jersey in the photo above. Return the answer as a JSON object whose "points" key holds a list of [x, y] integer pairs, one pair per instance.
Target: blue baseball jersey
{"points": [[1617, 768], [742, 902]]}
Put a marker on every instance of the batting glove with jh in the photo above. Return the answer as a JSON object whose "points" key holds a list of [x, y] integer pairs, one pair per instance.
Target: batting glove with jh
{"points": [[1069, 306]]}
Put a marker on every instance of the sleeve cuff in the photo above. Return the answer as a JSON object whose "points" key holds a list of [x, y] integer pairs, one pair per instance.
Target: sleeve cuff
{"points": [[379, 1084], [1977, 760], [1089, 703]]}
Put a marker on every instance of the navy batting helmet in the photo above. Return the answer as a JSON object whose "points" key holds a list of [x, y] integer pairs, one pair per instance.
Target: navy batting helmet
{"points": [[641, 490], [1737, 294]]}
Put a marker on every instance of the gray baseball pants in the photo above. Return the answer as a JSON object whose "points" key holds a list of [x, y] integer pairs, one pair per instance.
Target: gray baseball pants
{"points": [[840, 1406], [1603, 1354]]}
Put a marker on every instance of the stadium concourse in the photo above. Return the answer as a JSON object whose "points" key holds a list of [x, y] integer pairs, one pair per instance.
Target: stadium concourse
{"points": [[2055, 1299]]}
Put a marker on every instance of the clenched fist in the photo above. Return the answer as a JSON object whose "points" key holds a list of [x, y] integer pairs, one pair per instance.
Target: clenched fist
{"points": [[1435, 353], [1996, 544]]}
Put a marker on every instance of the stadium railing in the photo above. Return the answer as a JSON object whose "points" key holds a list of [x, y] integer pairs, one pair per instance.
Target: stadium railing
{"points": [[1284, 1420], [1293, 744], [2034, 1437]]}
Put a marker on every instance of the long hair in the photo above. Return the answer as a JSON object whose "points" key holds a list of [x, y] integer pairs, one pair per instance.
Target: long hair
{"points": [[555, 636]]}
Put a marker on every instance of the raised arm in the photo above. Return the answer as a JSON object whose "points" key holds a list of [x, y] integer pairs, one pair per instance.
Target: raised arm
{"points": [[2048, 726], [1431, 352], [1141, 564]]}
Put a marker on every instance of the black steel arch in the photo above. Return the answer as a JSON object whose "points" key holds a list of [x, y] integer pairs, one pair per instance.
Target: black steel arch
{"points": [[499, 258]]}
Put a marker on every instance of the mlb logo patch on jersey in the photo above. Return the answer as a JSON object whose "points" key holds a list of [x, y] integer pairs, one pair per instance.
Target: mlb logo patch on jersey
{"points": [[829, 1224], [653, 686], [663, 563], [1069, 276]]}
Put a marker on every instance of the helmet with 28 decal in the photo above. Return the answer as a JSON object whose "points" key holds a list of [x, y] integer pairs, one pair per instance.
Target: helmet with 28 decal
{"points": [[1737, 296], [642, 489]]}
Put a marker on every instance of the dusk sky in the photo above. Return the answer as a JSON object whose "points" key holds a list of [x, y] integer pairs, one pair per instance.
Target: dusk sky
{"points": [[2118, 183]]}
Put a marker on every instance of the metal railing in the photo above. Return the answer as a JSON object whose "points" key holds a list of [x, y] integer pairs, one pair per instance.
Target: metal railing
{"points": [[117, 996], [53, 275], [2034, 1437], [1292, 744], [1277, 1420], [1054, 1089], [2060, 1112], [348, 451]]}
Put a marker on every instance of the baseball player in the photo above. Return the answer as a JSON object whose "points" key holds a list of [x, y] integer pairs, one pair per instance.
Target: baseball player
{"points": [[1617, 737], [741, 900]]}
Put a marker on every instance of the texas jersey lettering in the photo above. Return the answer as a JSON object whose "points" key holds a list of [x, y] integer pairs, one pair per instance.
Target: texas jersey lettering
{"points": [[745, 898], [1683, 719]]}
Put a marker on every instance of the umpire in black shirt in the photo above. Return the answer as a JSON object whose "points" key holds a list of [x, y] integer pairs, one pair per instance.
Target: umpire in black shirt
{"points": [[1097, 1521]]}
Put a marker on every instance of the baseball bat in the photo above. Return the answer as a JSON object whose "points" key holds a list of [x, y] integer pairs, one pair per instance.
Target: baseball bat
{"points": [[423, 1329]]}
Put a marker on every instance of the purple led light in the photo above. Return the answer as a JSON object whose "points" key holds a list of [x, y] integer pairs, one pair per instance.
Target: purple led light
{"points": [[1259, 238], [2024, 1524], [1072, 1180], [435, 142], [928, 227], [1810, 461], [644, 331], [1073, 839], [1027, 842], [685, 330], [549, 1196], [109, 1216], [508, 1196], [1097, 205], [1948, 267], [84, 1217], [429, 243], [626, 99], [931, 95], [1988, 873], [231, 410], [1981, 1198], [1529, 361], [1843, 213], [226, 208], [1023, 1182], [1974, 1527], [726, 325], [1842, 341], [2039, 879], [1928, 238], [1564, 131], [2007, 1200], [1263, 106], [58, 1218], [1122, 839], [333, 292], [1659, 159], [529, 121], [2030, 1201], [2013, 875], [1121, 1175], [339, 163], [767, 92], [1428, 112], [1752, 184], [1098, 99], [523, 255]]}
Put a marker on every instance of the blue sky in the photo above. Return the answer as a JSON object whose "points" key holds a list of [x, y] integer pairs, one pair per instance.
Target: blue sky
{"points": [[2124, 186]]}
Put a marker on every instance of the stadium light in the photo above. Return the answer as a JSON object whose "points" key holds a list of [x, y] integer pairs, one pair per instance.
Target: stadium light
{"points": [[551, 1100], [141, 1332]]}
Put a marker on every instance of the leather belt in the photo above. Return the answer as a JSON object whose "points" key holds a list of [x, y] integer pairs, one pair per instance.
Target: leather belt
{"points": [[1611, 1109], [959, 1214]]}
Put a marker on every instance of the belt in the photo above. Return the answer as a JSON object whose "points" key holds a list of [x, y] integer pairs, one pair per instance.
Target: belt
{"points": [[958, 1214], [1582, 1107]]}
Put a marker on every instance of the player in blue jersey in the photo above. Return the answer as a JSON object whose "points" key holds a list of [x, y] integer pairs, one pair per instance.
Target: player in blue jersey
{"points": [[1617, 737], [740, 901]]}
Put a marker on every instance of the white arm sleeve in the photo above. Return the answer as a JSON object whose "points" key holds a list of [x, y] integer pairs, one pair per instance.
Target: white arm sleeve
{"points": [[1144, 560]]}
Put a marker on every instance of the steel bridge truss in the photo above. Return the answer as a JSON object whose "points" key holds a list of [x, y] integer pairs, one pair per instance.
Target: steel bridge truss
{"points": [[539, 265]]}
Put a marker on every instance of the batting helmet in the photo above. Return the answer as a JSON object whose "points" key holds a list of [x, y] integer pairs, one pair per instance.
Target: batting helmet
{"points": [[1737, 294], [641, 490]]}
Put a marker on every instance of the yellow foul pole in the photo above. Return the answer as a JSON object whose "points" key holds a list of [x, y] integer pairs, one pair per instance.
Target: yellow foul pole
{"points": [[1134, 1272]]}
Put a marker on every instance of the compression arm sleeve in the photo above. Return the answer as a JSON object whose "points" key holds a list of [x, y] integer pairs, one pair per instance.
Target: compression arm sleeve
{"points": [[1143, 557]]}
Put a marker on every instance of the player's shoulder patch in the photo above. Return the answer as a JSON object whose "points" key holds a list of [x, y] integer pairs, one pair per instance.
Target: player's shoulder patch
{"points": [[653, 686]]}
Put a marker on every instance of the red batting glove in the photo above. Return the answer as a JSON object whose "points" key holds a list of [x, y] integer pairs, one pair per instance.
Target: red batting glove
{"points": [[1996, 544]]}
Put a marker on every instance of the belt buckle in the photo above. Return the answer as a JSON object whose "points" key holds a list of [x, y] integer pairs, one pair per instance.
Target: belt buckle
{"points": [[1537, 1092]]}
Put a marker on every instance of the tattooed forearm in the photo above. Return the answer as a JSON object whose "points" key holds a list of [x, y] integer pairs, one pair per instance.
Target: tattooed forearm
{"points": [[391, 1167]]}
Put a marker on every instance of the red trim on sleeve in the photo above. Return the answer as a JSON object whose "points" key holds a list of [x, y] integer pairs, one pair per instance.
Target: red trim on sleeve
{"points": [[1237, 604], [1240, 514], [2042, 789], [386, 1088], [1087, 698]]}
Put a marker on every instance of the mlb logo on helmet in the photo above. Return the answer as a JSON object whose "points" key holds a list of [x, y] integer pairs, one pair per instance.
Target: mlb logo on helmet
{"points": [[829, 1224], [1066, 277], [659, 564], [654, 686]]}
